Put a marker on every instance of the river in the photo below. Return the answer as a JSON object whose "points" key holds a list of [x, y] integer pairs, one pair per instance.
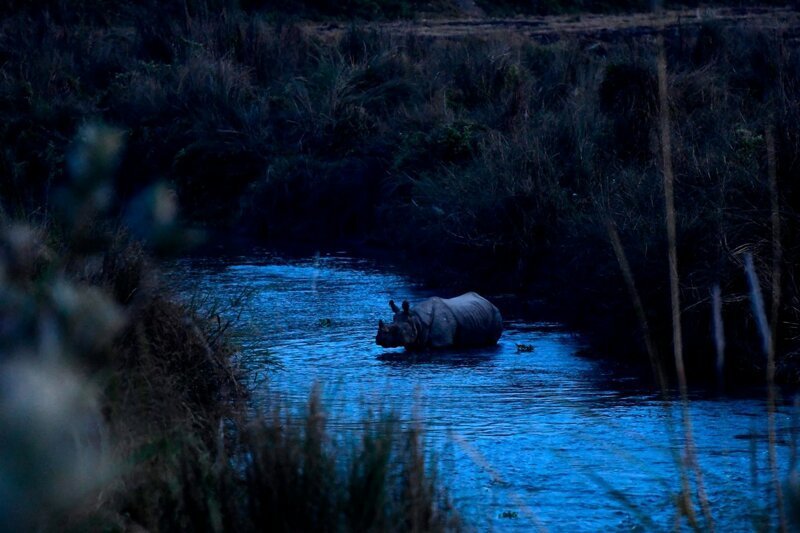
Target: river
{"points": [[547, 439]]}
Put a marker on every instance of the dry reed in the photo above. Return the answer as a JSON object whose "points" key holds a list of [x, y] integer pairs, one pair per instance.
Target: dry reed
{"points": [[669, 203]]}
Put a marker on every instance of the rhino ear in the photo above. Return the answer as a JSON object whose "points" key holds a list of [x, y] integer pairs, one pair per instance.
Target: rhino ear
{"points": [[405, 306], [394, 307], [380, 324]]}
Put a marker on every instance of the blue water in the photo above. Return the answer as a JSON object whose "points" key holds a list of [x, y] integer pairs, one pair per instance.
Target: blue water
{"points": [[546, 440]]}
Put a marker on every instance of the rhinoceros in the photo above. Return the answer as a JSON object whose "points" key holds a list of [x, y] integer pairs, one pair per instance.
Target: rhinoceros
{"points": [[469, 320]]}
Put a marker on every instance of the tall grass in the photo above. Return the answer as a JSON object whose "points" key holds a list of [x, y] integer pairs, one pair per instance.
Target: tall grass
{"points": [[675, 301], [690, 462]]}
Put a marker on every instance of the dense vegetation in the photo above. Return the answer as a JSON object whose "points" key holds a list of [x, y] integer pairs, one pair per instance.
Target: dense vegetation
{"points": [[494, 162], [122, 407]]}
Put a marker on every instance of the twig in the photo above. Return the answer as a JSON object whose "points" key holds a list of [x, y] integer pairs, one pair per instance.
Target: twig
{"points": [[719, 332], [630, 283], [777, 249]]}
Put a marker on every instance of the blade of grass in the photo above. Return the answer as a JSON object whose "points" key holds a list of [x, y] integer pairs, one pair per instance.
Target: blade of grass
{"points": [[777, 250], [719, 333], [777, 257], [768, 344], [669, 204], [630, 283]]}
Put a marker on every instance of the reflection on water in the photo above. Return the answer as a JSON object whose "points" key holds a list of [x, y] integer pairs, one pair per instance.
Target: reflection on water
{"points": [[524, 439]]}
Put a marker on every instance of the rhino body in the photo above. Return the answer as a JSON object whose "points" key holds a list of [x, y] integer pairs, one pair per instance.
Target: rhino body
{"points": [[469, 320]]}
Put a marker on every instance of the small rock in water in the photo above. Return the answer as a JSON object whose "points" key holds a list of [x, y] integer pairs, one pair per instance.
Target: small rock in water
{"points": [[325, 322], [524, 348]]}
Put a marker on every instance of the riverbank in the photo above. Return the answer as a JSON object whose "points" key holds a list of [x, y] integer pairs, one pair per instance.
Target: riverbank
{"points": [[488, 160]]}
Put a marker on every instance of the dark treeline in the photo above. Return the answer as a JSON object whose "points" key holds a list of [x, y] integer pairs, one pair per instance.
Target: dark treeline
{"points": [[492, 162]]}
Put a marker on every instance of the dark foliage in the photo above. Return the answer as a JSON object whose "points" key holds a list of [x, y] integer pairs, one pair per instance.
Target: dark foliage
{"points": [[488, 161]]}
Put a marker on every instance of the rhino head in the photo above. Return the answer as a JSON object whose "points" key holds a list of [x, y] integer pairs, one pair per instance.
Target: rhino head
{"points": [[402, 330]]}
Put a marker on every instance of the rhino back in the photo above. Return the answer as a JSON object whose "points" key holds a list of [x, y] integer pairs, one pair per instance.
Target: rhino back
{"points": [[436, 322], [479, 321]]}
